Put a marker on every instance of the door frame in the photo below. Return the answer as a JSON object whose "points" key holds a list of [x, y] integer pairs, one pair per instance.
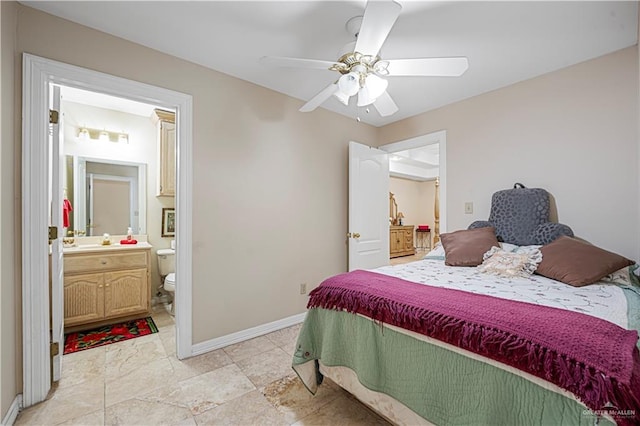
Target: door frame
{"points": [[439, 137], [37, 74]]}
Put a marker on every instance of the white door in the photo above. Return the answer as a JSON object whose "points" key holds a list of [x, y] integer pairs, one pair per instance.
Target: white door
{"points": [[56, 161], [368, 233]]}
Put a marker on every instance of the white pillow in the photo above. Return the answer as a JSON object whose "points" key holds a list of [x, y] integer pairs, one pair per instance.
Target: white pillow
{"points": [[526, 249], [436, 253], [508, 247], [510, 264], [620, 276]]}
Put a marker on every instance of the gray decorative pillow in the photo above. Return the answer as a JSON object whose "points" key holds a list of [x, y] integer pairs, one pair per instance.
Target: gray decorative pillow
{"points": [[521, 216], [548, 232]]}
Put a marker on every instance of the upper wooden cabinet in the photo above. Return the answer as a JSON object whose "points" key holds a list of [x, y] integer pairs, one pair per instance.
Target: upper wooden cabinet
{"points": [[166, 123]]}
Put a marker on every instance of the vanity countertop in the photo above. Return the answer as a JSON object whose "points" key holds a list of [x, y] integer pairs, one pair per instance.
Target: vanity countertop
{"points": [[86, 248], [92, 244]]}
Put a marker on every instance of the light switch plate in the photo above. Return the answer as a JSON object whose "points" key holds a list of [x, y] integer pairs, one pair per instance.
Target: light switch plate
{"points": [[468, 207]]}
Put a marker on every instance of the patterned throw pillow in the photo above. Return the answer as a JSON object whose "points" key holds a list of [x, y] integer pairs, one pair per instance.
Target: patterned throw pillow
{"points": [[521, 263]]}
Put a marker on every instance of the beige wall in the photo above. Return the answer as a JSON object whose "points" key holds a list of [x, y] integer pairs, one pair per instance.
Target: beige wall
{"points": [[10, 341], [573, 132], [270, 183]]}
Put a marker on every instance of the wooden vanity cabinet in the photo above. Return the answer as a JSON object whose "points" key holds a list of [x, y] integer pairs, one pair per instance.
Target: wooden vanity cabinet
{"points": [[401, 241], [101, 287], [166, 125]]}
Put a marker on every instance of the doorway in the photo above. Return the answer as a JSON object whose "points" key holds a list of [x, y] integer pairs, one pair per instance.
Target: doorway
{"points": [[417, 170], [39, 74], [423, 158], [105, 180]]}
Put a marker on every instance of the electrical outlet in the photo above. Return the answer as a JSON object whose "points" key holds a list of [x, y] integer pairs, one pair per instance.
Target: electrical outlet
{"points": [[468, 207], [303, 288]]}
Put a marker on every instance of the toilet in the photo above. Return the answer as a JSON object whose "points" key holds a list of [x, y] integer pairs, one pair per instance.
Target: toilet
{"points": [[167, 268]]}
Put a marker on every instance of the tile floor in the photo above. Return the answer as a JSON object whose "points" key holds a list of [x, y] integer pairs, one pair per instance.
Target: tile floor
{"points": [[141, 382]]}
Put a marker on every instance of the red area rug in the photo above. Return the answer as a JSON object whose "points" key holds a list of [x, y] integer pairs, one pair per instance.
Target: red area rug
{"points": [[105, 335]]}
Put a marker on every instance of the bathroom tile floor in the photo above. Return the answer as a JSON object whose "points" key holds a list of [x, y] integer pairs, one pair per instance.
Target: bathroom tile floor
{"points": [[141, 382]]}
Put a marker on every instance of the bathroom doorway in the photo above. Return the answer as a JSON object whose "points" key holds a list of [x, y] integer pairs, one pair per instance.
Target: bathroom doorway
{"points": [[108, 193], [38, 75]]}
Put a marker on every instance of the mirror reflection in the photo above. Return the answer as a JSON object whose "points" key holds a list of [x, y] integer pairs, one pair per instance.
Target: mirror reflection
{"points": [[107, 196]]}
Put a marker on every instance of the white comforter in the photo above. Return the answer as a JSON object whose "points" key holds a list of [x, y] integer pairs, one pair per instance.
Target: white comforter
{"points": [[603, 300]]}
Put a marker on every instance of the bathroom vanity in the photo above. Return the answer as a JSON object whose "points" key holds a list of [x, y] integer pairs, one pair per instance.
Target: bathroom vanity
{"points": [[105, 283]]}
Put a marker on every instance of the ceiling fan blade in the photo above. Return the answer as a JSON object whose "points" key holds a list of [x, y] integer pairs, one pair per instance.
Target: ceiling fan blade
{"points": [[385, 105], [318, 99], [378, 19], [433, 67], [281, 61]]}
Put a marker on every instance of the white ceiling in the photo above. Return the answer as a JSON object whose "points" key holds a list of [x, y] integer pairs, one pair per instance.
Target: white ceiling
{"points": [[505, 42], [416, 163]]}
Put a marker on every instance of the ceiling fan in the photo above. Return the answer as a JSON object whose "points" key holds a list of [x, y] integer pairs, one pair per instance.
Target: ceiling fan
{"points": [[363, 71]]}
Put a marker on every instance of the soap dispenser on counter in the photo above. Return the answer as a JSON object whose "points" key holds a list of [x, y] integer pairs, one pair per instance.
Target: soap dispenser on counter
{"points": [[129, 239]]}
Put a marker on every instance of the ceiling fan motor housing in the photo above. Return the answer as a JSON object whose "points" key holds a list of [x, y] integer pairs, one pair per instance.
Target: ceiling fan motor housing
{"points": [[356, 62]]}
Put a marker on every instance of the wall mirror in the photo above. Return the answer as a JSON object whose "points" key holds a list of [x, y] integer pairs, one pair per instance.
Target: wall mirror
{"points": [[394, 215], [107, 196]]}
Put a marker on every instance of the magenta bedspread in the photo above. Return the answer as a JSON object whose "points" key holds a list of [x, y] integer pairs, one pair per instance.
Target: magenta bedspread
{"points": [[594, 359]]}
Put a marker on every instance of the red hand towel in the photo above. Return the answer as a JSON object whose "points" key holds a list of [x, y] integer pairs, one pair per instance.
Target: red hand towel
{"points": [[128, 241], [66, 209]]}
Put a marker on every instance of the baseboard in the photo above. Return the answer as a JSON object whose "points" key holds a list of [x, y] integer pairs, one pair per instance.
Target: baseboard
{"points": [[12, 413], [249, 333]]}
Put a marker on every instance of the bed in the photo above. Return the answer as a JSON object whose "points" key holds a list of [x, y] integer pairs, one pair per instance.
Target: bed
{"points": [[421, 343]]}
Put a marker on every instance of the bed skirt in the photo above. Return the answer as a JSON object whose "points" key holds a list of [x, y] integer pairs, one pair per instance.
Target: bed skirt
{"points": [[426, 379]]}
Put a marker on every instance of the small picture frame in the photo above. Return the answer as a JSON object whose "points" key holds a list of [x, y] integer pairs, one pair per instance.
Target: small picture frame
{"points": [[168, 222]]}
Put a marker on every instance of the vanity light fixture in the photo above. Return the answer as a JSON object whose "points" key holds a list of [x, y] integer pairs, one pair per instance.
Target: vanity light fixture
{"points": [[86, 134], [83, 134]]}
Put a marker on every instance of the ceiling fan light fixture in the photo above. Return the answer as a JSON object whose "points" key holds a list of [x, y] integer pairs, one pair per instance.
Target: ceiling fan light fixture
{"points": [[375, 86], [364, 97], [349, 84]]}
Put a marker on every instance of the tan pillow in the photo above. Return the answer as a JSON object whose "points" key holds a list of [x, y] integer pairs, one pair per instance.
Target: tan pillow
{"points": [[466, 247], [578, 263]]}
